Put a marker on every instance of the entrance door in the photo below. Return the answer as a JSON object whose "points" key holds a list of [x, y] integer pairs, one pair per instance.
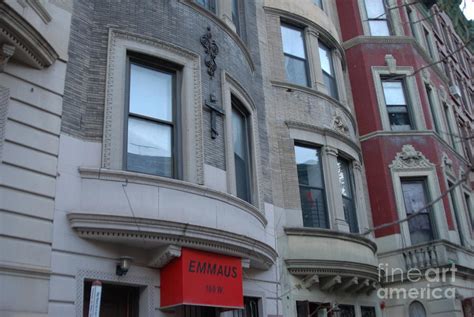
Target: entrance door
{"points": [[116, 300]]}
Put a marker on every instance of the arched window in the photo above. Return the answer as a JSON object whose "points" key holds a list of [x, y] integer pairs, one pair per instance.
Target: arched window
{"points": [[416, 309]]}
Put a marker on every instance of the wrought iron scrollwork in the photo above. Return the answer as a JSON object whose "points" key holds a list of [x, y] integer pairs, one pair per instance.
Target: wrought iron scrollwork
{"points": [[211, 49]]}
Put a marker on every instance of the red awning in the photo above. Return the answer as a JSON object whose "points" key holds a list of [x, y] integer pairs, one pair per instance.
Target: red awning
{"points": [[203, 279]]}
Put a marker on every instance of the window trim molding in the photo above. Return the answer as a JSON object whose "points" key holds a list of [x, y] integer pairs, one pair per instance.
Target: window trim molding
{"points": [[409, 163], [393, 19], [231, 87], [120, 43], [412, 95]]}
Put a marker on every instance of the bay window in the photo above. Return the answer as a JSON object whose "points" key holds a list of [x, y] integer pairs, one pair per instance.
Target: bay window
{"points": [[348, 200], [295, 55], [151, 123], [241, 146], [397, 106], [327, 67], [377, 18], [311, 185], [415, 196]]}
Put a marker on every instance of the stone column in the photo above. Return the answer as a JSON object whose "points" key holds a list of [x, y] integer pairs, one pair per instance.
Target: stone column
{"points": [[333, 191], [361, 206], [311, 37]]}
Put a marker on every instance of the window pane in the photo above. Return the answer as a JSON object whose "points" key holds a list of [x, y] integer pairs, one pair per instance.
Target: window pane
{"points": [[151, 92], [313, 205], [345, 182], [414, 196], [331, 85], [325, 58], [393, 93], [296, 71], [149, 147], [379, 28], [346, 311], [375, 9], [309, 167], [368, 311], [293, 42], [241, 155], [235, 15], [319, 3]]}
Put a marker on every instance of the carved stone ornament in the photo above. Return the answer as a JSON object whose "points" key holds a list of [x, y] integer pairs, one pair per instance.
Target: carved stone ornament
{"points": [[448, 163], [391, 63], [6, 52], [409, 158], [211, 49], [339, 124]]}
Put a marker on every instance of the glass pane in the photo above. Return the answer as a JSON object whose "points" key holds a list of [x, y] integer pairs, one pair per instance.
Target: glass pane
{"points": [[414, 197], [309, 167], [149, 148], [313, 205], [399, 121], [345, 178], [331, 85], [151, 92], [393, 93], [325, 58], [296, 71], [346, 311], [375, 9], [235, 15], [350, 214], [379, 28], [319, 3], [368, 311], [241, 155], [293, 42]]}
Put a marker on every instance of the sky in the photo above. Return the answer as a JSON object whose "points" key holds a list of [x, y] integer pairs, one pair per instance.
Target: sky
{"points": [[468, 9]]}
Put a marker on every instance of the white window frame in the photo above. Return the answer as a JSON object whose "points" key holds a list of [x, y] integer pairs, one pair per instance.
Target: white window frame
{"points": [[120, 44], [411, 91], [427, 170], [230, 87]]}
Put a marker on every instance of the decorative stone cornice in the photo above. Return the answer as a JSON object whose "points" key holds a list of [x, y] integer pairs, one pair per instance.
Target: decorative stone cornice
{"points": [[164, 255], [409, 158], [324, 131], [328, 268], [176, 184], [331, 150], [159, 233], [6, 52], [325, 233], [30, 46], [359, 40]]}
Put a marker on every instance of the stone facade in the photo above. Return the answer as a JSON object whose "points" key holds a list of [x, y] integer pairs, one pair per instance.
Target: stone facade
{"points": [[70, 206]]}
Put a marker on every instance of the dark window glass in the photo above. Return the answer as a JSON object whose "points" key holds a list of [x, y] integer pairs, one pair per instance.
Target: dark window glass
{"points": [[454, 204], [410, 21], [150, 121], [346, 311], [236, 15], [346, 185], [208, 4], [327, 66], [449, 125], [470, 210], [311, 184], [416, 309], [250, 310], [377, 18], [397, 107], [241, 151], [415, 197], [295, 55], [310, 309], [367, 311], [429, 94]]}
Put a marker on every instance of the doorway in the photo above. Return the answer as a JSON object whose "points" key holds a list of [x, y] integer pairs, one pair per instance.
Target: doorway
{"points": [[116, 300]]}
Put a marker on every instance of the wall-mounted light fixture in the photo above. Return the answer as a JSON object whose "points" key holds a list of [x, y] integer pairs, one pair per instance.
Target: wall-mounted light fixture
{"points": [[123, 265]]}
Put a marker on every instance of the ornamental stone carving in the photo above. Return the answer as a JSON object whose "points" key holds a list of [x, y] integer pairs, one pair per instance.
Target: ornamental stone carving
{"points": [[391, 63], [448, 164], [409, 158], [211, 49], [339, 124]]}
